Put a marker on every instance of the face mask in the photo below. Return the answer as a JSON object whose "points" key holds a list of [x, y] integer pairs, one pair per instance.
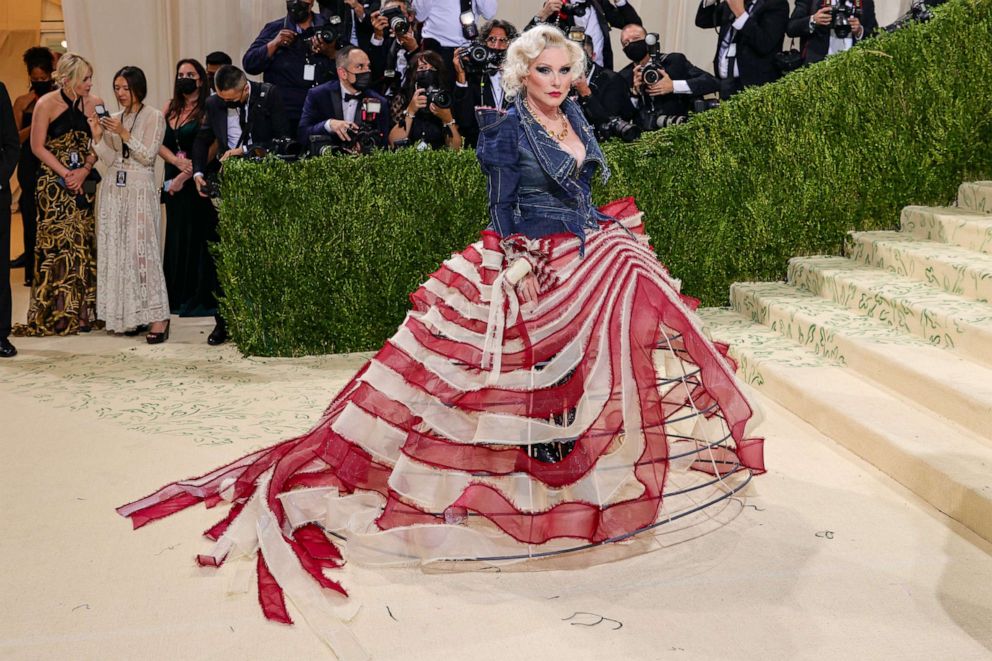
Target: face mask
{"points": [[41, 87], [636, 50], [496, 56], [298, 11], [186, 85], [426, 79], [362, 81]]}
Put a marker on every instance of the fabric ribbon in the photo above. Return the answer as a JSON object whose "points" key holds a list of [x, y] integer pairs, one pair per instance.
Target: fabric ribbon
{"points": [[504, 307]]}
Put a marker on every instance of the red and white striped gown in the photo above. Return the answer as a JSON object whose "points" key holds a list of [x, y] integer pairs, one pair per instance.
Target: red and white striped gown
{"points": [[429, 452]]}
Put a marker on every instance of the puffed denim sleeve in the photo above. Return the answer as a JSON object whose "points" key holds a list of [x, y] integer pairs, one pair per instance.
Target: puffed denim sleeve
{"points": [[498, 153]]}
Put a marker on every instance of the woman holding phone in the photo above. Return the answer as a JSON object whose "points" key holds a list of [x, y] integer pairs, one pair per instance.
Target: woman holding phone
{"points": [[130, 282], [63, 297]]}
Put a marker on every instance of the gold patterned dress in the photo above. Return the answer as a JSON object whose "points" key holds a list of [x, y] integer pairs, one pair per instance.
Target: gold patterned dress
{"points": [[63, 298]]}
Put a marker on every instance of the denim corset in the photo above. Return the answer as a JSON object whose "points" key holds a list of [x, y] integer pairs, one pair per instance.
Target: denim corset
{"points": [[535, 187]]}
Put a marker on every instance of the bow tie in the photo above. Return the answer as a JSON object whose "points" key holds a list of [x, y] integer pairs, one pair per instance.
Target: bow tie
{"points": [[352, 97]]}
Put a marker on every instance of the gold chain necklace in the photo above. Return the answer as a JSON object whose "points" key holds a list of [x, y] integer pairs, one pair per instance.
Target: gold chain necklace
{"points": [[557, 135]]}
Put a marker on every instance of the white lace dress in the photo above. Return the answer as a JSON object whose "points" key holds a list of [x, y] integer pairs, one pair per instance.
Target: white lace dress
{"points": [[130, 282]]}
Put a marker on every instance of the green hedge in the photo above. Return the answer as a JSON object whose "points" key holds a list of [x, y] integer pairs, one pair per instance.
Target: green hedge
{"points": [[318, 257]]}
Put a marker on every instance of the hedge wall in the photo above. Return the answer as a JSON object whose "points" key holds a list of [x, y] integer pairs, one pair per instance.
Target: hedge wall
{"points": [[319, 256]]}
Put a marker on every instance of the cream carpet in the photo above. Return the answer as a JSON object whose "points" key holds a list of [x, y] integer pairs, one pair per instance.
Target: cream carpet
{"points": [[828, 558]]}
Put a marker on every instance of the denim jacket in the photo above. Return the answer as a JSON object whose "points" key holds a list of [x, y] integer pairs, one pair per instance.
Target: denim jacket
{"points": [[535, 187]]}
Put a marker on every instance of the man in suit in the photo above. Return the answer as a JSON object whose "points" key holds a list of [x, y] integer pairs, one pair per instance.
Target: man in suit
{"points": [[240, 116], [337, 108], [390, 53], [356, 19], [9, 151], [596, 19], [811, 21], [290, 62], [681, 80], [481, 87], [603, 94], [750, 34]]}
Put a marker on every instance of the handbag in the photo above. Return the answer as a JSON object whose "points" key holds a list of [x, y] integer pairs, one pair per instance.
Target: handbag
{"points": [[790, 60]]}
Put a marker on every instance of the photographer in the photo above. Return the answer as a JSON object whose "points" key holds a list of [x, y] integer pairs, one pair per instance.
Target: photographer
{"points": [[238, 117], [750, 35], [602, 94], [594, 16], [477, 75], [427, 120], [295, 53], [394, 42], [356, 19], [825, 27], [672, 80], [450, 23], [338, 110]]}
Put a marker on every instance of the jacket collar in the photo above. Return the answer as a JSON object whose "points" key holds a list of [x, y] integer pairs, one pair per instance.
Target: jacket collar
{"points": [[555, 161]]}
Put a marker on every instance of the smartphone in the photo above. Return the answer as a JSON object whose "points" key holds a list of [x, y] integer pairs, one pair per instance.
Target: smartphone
{"points": [[101, 111]]}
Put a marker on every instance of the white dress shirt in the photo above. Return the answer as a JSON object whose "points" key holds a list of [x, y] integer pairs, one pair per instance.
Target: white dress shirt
{"points": [[727, 51], [441, 22]]}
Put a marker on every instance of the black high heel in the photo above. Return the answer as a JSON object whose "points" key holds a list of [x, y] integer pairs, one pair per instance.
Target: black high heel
{"points": [[137, 330], [159, 338]]}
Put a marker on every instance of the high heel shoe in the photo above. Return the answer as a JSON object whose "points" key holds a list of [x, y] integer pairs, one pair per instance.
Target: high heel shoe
{"points": [[159, 338], [137, 330]]}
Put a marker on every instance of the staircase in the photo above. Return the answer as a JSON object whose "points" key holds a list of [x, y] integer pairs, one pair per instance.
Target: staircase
{"points": [[888, 350]]}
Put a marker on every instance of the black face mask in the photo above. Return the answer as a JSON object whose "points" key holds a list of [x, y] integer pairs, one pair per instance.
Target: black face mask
{"points": [[185, 85], [234, 105], [496, 56], [362, 81], [298, 11], [42, 87], [426, 79], [636, 50]]}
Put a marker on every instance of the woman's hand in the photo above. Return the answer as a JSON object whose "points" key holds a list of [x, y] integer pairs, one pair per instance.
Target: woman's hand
{"points": [[184, 165], [418, 102], [527, 289], [96, 130], [444, 114], [112, 124], [74, 179], [177, 183]]}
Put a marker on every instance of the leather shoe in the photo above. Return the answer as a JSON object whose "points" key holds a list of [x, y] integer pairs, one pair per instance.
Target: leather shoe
{"points": [[20, 262], [218, 335], [7, 349]]}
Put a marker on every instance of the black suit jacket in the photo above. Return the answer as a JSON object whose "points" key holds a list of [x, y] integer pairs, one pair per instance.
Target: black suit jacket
{"points": [[324, 102], [757, 42], [266, 122], [816, 44], [478, 93], [609, 16], [678, 67], [10, 146], [610, 97]]}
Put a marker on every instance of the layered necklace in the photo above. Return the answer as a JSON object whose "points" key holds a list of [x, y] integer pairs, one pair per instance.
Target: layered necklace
{"points": [[557, 135]]}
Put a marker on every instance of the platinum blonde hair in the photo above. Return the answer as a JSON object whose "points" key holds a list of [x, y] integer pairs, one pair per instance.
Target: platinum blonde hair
{"points": [[528, 47], [71, 71]]}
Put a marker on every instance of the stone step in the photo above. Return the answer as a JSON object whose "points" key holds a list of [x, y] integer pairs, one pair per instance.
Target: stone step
{"points": [[954, 269], [976, 196], [947, 466], [939, 318], [935, 378], [959, 227]]}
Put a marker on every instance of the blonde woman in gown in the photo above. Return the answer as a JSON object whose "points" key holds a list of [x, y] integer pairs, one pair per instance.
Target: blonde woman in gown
{"points": [[131, 290]]}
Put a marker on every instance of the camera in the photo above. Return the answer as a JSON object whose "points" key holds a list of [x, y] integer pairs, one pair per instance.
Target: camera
{"points": [[469, 29], [438, 96], [477, 58], [101, 111], [285, 149], [367, 136], [323, 145], [841, 15], [919, 12], [617, 127], [649, 120], [702, 104], [397, 20], [653, 71], [330, 33], [212, 186], [572, 8]]}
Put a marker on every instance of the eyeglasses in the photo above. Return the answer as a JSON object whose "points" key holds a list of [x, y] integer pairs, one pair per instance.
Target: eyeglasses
{"points": [[498, 41]]}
